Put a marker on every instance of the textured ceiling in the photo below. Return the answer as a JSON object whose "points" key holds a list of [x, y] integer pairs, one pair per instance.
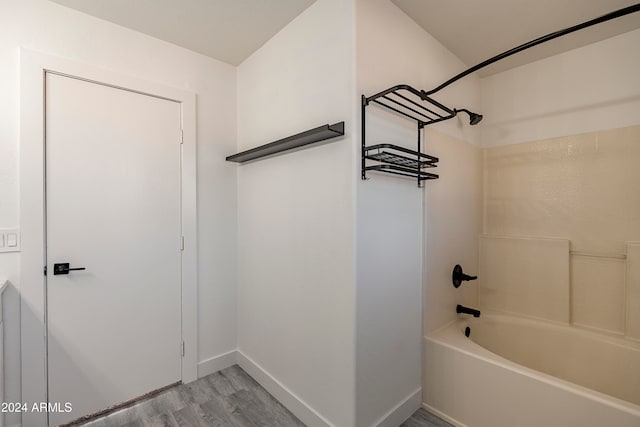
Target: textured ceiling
{"points": [[228, 30]]}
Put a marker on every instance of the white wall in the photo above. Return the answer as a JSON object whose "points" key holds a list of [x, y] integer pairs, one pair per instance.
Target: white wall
{"points": [[595, 87], [296, 216], [453, 215], [393, 243], [53, 29]]}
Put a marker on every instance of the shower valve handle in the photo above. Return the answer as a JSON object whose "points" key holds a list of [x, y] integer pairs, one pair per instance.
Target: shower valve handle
{"points": [[458, 276]]}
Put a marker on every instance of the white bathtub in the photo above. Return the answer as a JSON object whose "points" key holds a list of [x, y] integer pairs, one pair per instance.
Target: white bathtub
{"points": [[522, 372]]}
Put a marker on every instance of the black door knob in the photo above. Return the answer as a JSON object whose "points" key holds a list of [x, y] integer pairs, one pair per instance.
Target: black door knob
{"points": [[63, 268]]}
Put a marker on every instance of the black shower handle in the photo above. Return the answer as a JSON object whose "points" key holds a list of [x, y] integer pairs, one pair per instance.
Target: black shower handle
{"points": [[458, 276]]}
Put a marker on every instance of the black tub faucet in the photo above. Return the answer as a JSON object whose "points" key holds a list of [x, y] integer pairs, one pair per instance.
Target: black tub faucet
{"points": [[458, 276], [467, 310]]}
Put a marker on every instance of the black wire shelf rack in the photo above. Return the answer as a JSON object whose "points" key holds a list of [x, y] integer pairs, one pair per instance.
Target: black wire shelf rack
{"points": [[400, 156], [403, 171], [413, 104], [410, 103]]}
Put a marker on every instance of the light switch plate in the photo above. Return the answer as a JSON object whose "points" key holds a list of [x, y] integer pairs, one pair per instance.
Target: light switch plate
{"points": [[9, 240]]}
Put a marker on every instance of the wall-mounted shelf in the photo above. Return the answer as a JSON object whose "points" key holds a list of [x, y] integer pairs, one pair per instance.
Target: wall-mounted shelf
{"points": [[399, 170], [393, 159], [311, 136], [400, 161], [419, 107], [412, 104], [399, 156]]}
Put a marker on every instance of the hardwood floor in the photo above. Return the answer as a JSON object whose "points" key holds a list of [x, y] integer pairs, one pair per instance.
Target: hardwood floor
{"points": [[229, 398]]}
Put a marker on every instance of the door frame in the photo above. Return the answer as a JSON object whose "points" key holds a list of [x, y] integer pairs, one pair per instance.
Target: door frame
{"points": [[33, 67]]}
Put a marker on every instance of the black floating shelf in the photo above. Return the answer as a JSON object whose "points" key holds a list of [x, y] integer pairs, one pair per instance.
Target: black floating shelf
{"points": [[318, 134]]}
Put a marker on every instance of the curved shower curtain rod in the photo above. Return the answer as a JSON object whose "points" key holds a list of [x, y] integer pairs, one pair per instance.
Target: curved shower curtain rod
{"points": [[612, 15]]}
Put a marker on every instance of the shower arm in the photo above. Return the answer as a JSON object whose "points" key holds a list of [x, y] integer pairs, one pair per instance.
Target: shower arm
{"points": [[612, 15]]}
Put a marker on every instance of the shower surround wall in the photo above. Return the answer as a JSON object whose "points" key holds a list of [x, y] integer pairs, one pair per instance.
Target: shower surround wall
{"points": [[564, 144], [559, 176], [580, 188]]}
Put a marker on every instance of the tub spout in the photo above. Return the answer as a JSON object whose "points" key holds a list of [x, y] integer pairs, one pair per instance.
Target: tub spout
{"points": [[467, 310]]}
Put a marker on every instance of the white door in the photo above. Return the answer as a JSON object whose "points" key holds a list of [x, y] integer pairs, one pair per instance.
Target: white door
{"points": [[113, 208]]}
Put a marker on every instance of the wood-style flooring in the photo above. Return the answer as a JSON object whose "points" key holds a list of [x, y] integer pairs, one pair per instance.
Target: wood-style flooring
{"points": [[229, 398], [422, 418]]}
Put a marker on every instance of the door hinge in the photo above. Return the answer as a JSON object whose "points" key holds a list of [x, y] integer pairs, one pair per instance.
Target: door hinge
{"points": [[182, 348], [45, 270], [181, 136], [182, 243]]}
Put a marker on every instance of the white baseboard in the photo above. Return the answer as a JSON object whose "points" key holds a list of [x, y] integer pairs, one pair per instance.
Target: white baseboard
{"points": [[442, 415], [297, 406], [402, 411], [217, 363]]}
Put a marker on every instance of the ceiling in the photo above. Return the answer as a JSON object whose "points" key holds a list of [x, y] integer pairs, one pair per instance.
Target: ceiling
{"points": [[228, 30], [475, 30]]}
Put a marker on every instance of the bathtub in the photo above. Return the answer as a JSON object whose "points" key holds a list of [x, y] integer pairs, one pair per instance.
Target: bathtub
{"points": [[513, 371]]}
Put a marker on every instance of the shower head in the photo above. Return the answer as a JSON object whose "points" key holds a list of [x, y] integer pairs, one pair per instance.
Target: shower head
{"points": [[474, 118]]}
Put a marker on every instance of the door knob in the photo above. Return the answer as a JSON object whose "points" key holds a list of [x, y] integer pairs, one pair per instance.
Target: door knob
{"points": [[63, 268]]}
